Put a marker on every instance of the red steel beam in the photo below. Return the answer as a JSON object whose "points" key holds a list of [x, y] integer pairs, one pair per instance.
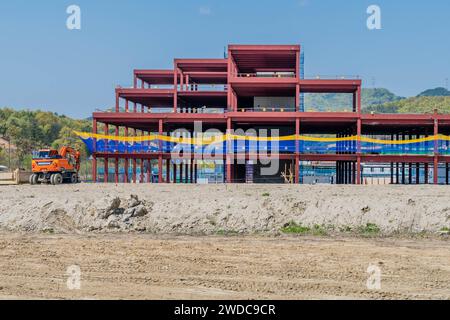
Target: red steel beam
{"points": [[397, 158]]}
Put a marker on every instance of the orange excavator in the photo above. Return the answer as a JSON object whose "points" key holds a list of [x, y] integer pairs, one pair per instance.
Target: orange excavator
{"points": [[55, 167]]}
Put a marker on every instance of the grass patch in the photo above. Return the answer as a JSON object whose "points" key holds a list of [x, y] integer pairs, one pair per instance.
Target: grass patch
{"points": [[445, 230], [295, 228], [266, 194], [370, 229]]}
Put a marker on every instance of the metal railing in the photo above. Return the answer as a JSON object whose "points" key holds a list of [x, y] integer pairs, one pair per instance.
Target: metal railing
{"points": [[267, 109], [203, 87], [160, 87], [331, 77], [267, 75], [202, 110]]}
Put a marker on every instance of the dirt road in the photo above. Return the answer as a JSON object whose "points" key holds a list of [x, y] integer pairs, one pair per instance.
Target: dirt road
{"points": [[135, 266]]}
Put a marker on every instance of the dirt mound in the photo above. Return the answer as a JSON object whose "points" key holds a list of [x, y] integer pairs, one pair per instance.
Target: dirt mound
{"points": [[211, 209]]}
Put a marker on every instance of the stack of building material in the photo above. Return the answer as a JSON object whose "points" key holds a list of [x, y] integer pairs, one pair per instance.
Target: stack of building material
{"points": [[15, 177]]}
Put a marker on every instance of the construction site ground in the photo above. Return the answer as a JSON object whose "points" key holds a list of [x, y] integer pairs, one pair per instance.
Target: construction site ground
{"points": [[134, 266], [224, 242]]}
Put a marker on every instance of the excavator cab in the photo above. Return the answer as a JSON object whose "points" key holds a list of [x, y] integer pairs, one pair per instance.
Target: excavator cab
{"points": [[46, 154], [55, 167]]}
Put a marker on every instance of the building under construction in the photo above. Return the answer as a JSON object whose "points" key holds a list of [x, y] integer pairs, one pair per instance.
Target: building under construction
{"points": [[254, 101]]}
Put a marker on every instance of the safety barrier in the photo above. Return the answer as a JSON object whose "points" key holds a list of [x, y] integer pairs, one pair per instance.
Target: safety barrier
{"points": [[230, 143]]}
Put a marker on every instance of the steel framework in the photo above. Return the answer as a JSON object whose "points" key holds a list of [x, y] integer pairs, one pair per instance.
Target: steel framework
{"points": [[219, 93]]}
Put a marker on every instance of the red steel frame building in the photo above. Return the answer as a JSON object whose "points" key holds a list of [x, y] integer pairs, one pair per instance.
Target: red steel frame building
{"points": [[230, 83]]}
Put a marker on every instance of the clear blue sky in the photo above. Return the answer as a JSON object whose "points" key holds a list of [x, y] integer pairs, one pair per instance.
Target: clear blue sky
{"points": [[44, 65]]}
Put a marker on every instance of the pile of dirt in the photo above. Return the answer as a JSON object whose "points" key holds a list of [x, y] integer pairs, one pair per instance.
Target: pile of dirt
{"points": [[212, 209]]}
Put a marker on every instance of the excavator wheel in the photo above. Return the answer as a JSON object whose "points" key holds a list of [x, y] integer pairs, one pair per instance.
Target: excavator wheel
{"points": [[74, 178], [56, 179], [34, 179]]}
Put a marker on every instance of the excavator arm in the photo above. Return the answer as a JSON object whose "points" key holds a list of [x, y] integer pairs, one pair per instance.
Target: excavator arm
{"points": [[64, 151]]}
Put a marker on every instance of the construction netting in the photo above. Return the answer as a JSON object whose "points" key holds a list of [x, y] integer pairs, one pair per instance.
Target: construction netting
{"points": [[230, 143]]}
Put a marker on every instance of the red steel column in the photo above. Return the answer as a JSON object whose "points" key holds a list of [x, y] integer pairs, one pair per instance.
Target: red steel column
{"points": [[191, 177], [229, 153], [436, 152], [168, 171], [149, 170], [116, 167], [175, 88], [358, 100], [134, 170], [160, 157], [358, 151], [229, 73], [116, 171], [297, 151], [142, 162], [403, 163], [149, 166], [134, 159], [106, 159], [94, 156], [297, 76], [181, 80], [127, 164]]}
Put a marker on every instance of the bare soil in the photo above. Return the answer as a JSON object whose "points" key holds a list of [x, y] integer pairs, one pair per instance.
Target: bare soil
{"points": [[137, 266]]}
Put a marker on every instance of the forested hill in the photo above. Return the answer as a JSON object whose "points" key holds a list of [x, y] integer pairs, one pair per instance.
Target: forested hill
{"points": [[437, 92], [423, 104], [338, 101], [31, 130], [382, 100]]}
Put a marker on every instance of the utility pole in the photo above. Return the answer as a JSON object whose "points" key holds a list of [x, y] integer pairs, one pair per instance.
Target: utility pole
{"points": [[446, 83]]}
